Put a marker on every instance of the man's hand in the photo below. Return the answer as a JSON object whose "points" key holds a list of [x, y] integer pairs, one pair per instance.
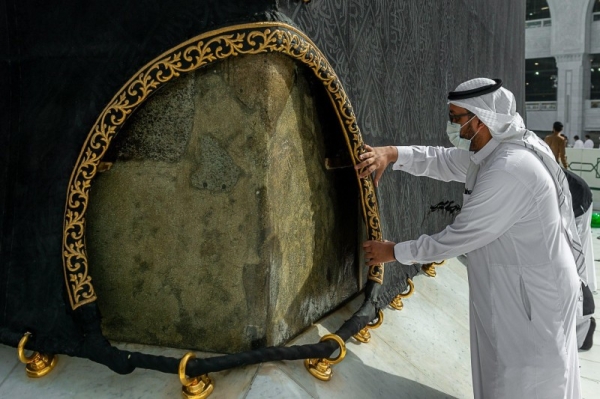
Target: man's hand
{"points": [[377, 252], [376, 159]]}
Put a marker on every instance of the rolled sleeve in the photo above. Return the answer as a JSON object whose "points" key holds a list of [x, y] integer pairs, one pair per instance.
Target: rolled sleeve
{"points": [[403, 253]]}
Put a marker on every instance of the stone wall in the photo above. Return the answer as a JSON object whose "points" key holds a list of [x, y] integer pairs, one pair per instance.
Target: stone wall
{"points": [[218, 227]]}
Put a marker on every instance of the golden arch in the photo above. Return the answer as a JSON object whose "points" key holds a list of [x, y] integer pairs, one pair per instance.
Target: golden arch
{"points": [[210, 47]]}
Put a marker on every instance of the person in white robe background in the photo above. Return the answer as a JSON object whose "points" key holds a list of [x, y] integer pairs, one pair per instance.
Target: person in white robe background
{"points": [[517, 229]]}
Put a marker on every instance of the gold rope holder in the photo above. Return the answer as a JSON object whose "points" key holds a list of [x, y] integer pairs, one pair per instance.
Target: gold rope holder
{"points": [[321, 368], [364, 335], [194, 388], [397, 301], [429, 269], [37, 365]]}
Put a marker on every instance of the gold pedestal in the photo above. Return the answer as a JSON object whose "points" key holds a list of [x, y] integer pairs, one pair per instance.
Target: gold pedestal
{"points": [[321, 368], [397, 301], [38, 364], [194, 388]]}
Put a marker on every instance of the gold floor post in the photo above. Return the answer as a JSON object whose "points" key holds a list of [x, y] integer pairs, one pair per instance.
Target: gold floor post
{"points": [[321, 368], [429, 269], [38, 364], [364, 335], [397, 301], [197, 387]]}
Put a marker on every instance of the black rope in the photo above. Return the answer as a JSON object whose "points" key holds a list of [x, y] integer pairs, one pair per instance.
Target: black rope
{"points": [[94, 346]]}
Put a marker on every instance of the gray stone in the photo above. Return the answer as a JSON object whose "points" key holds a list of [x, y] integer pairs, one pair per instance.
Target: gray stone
{"points": [[216, 170], [161, 128], [241, 240]]}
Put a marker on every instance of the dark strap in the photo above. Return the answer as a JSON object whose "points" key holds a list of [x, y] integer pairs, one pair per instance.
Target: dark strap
{"points": [[480, 91]]}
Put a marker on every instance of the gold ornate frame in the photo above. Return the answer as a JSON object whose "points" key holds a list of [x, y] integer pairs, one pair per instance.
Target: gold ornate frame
{"points": [[210, 47]]}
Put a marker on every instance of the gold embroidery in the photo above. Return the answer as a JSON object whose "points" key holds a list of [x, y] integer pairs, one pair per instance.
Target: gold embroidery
{"points": [[254, 38]]}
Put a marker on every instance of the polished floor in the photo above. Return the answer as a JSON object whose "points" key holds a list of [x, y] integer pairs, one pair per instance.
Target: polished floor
{"points": [[420, 352]]}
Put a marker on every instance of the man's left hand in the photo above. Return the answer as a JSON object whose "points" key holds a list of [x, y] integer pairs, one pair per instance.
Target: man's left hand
{"points": [[377, 252]]}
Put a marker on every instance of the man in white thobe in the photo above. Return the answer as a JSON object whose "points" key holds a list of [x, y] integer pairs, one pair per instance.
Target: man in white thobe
{"points": [[516, 227], [588, 142]]}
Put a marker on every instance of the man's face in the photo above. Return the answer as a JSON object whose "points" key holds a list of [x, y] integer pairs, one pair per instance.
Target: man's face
{"points": [[462, 116], [472, 127]]}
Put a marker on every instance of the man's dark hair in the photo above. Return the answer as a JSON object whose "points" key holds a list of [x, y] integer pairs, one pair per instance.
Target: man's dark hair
{"points": [[575, 137], [587, 136], [558, 127]]}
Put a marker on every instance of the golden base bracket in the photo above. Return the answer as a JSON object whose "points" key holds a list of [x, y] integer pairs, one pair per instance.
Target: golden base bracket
{"points": [[364, 335], [37, 365], [429, 269], [197, 387], [397, 301], [321, 368]]}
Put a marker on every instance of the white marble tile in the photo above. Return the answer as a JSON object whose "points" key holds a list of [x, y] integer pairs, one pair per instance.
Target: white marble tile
{"points": [[590, 389], [590, 370], [447, 291], [368, 371], [429, 336], [457, 267], [381, 367], [8, 361], [234, 383], [272, 383]]}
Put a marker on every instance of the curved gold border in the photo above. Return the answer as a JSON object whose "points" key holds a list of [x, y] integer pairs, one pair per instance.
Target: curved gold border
{"points": [[254, 38]]}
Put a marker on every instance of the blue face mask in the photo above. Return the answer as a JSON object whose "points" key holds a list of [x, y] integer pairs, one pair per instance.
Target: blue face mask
{"points": [[453, 132]]}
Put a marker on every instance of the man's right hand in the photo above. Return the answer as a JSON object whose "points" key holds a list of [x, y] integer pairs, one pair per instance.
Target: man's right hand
{"points": [[376, 159]]}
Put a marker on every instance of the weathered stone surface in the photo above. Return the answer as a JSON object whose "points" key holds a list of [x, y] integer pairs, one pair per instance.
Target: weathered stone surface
{"points": [[160, 130], [241, 240]]}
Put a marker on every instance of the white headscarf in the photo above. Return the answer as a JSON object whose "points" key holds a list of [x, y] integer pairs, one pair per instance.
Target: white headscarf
{"points": [[497, 110]]}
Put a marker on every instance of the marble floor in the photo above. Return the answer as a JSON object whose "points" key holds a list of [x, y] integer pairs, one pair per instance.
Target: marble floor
{"points": [[420, 352]]}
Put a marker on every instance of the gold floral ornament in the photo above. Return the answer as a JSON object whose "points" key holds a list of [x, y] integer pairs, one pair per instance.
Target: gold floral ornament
{"points": [[210, 47]]}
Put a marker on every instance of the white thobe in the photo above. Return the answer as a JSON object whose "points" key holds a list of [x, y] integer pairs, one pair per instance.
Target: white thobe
{"points": [[523, 282], [588, 144], [578, 144]]}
